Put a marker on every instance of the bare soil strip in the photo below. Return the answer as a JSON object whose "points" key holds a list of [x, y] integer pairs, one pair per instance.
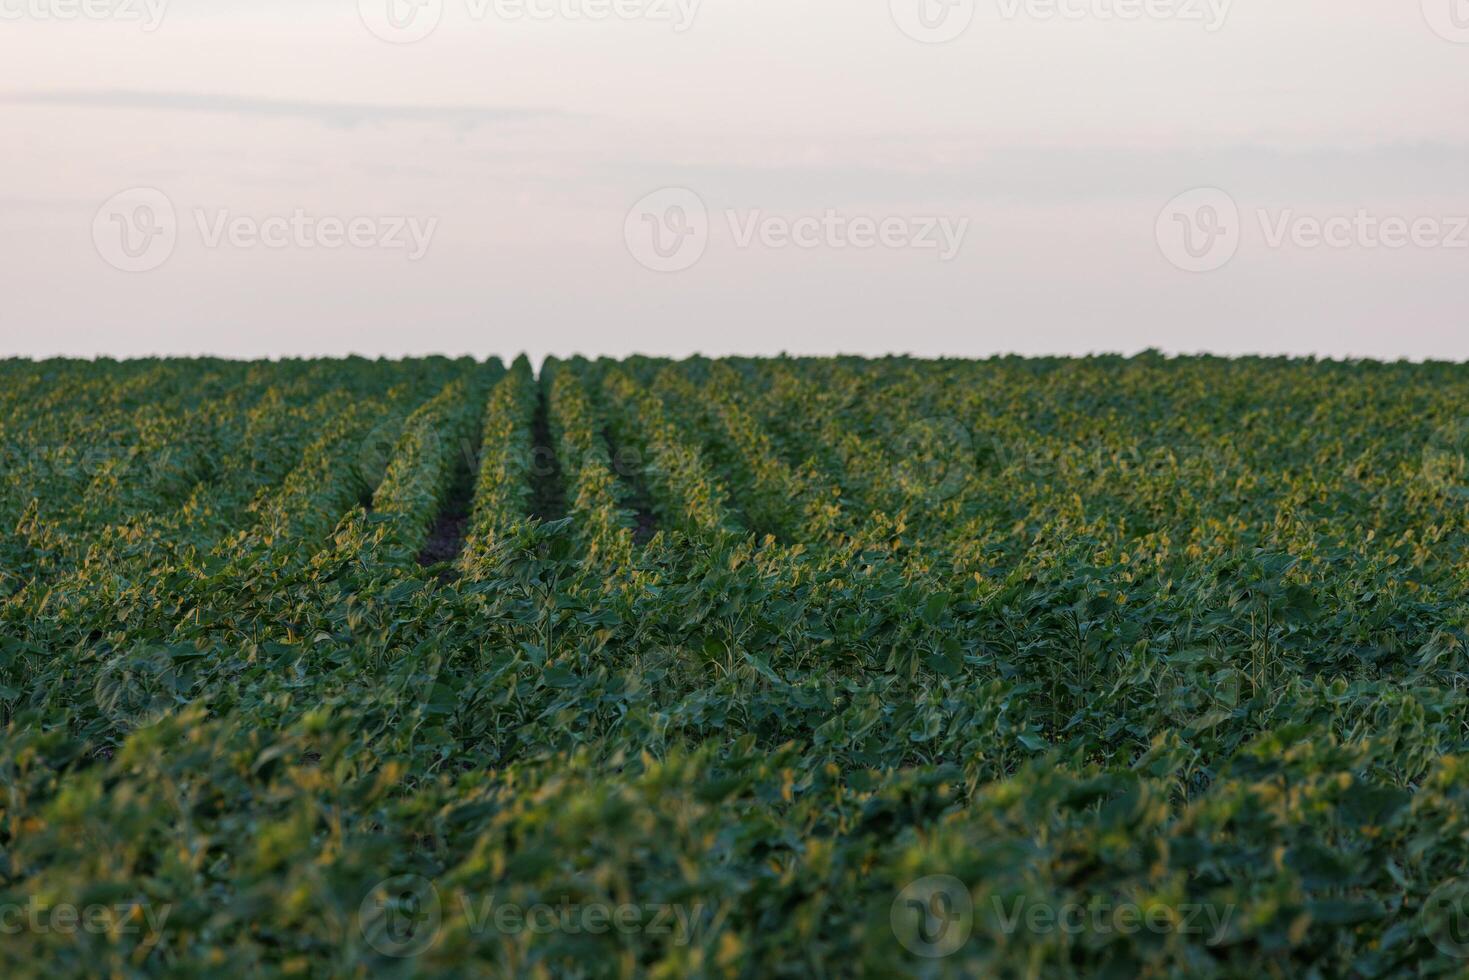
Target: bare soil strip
{"points": [[548, 498], [633, 491], [451, 525]]}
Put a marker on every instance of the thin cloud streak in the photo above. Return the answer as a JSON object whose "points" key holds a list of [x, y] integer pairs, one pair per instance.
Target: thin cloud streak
{"points": [[340, 114]]}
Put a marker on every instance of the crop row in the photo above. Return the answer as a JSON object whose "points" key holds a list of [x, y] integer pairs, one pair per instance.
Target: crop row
{"points": [[773, 642]]}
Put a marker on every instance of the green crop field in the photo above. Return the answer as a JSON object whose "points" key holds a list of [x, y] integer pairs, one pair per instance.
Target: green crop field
{"points": [[1111, 667]]}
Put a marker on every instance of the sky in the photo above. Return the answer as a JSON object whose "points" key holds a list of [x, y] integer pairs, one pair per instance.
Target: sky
{"points": [[935, 177]]}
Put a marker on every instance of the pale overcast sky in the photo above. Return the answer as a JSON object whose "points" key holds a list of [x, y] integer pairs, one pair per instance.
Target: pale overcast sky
{"points": [[734, 176]]}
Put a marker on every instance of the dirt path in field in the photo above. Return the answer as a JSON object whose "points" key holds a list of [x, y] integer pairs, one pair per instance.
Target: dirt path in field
{"points": [[548, 483], [450, 529], [628, 469], [446, 536]]}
